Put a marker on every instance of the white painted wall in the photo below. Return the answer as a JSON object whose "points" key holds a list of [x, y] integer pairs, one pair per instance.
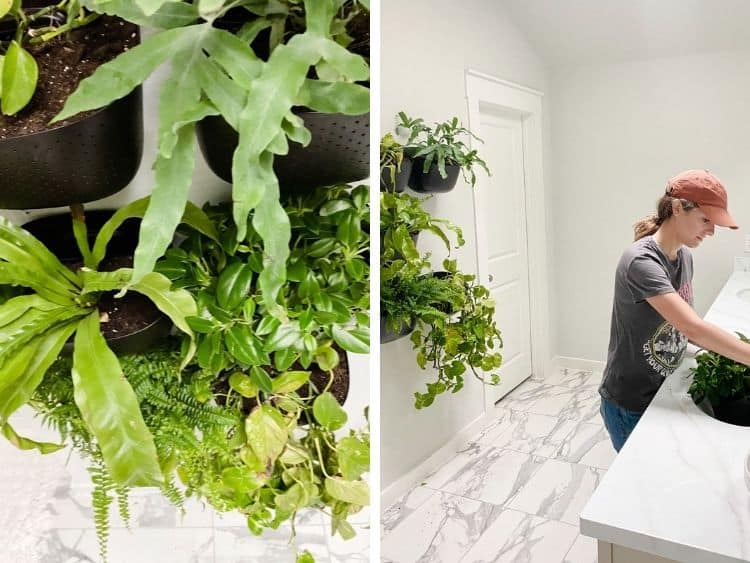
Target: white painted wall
{"points": [[619, 132], [426, 47]]}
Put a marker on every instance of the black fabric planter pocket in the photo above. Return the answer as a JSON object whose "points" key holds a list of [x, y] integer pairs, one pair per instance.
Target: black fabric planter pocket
{"points": [[431, 181], [339, 152], [83, 161], [734, 411], [140, 324], [402, 177], [388, 335]]}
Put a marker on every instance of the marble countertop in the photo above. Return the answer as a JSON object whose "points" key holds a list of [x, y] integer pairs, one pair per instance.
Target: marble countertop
{"points": [[677, 488]]}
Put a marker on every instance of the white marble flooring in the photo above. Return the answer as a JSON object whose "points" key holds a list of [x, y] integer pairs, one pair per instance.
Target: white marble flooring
{"points": [[46, 517], [513, 494]]}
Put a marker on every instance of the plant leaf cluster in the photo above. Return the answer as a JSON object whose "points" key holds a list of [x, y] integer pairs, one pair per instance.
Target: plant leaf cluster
{"points": [[57, 304], [283, 457], [441, 145], [326, 296], [216, 72], [718, 378], [455, 329]]}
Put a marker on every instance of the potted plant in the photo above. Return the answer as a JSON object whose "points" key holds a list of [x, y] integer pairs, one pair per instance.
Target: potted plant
{"points": [[217, 72], [395, 167], [452, 315], [721, 387], [439, 154], [59, 304], [44, 54]]}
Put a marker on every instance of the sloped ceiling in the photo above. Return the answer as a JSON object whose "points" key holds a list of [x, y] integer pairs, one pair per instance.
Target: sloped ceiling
{"points": [[583, 32]]}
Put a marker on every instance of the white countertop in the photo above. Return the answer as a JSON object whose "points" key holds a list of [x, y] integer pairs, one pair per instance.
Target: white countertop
{"points": [[677, 487]]}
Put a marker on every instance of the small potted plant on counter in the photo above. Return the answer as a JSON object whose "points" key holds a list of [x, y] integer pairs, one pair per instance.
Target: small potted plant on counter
{"points": [[439, 154], [721, 387]]}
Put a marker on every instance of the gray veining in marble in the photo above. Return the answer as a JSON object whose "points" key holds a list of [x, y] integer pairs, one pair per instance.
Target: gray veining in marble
{"points": [[528, 474]]}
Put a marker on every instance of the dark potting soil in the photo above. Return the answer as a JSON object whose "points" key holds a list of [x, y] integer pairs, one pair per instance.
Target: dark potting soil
{"points": [[318, 379], [63, 63], [126, 315]]}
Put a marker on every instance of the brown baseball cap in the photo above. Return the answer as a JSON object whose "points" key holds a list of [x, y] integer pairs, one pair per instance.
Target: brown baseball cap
{"points": [[706, 190]]}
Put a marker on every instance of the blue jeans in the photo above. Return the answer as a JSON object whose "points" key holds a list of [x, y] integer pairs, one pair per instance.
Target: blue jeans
{"points": [[618, 421]]}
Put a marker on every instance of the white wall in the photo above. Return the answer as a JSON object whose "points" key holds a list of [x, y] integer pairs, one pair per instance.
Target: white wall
{"points": [[619, 132], [426, 47]]}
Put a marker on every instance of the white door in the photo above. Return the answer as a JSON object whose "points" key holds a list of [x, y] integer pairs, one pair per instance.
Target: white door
{"points": [[502, 241]]}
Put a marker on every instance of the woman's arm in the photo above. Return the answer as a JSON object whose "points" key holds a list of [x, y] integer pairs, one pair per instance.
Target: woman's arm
{"points": [[679, 314]]}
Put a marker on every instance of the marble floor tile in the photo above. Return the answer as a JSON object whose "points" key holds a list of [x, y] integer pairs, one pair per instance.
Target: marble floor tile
{"points": [[556, 400], [587, 444], [238, 545], [516, 430], [525, 395], [558, 490], [194, 545], [354, 550], [582, 551], [516, 536], [487, 474], [441, 530], [569, 377], [401, 509]]}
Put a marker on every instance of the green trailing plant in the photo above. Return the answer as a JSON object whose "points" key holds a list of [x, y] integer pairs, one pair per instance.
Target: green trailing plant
{"points": [[286, 455], [326, 296], [455, 331], [718, 378], [441, 145], [18, 69], [218, 72], [57, 304]]}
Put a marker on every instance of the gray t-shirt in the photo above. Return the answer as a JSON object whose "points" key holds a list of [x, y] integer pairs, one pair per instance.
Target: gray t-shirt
{"points": [[643, 347]]}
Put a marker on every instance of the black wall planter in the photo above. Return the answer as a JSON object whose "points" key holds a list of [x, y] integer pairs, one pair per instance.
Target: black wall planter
{"points": [[76, 163], [431, 181], [388, 335], [56, 233], [402, 177], [339, 152]]}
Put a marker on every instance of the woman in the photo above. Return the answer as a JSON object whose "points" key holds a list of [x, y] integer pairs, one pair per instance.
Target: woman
{"points": [[652, 314]]}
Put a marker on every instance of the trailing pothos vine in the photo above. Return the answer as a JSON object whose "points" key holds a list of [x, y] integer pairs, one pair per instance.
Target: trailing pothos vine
{"points": [[455, 330]]}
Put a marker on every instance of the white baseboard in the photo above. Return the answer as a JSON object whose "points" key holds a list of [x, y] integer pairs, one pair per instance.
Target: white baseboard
{"points": [[576, 363], [447, 452]]}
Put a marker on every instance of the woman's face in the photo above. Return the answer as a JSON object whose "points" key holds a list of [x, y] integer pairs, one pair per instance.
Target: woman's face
{"points": [[692, 226]]}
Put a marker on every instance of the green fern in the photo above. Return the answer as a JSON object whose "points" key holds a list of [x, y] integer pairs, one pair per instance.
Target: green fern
{"points": [[101, 499], [123, 503]]}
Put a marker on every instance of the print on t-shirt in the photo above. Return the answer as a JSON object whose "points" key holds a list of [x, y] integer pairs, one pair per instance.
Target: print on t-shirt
{"points": [[664, 349]]}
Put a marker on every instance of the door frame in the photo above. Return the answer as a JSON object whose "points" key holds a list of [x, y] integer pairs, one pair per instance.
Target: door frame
{"points": [[526, 103]]}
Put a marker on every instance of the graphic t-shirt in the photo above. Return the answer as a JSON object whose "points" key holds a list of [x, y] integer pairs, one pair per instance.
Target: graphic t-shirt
{"points": [[644, 348]]}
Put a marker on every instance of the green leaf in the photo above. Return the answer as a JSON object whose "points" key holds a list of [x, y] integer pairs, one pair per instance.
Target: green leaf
{"points": [[20, 73], [283, 359], [20, 377], [327, 358], [336, 97], [245, 346], [27, 443], [122, 74], [349, 230], [328, 412], [5, 6], [353, 457], [201, 325], [14, 308], [266, 434], [170, 15], [110, 409], [353, 492], [290, 381], [334, 206], [241, 479], [286, 335], [235, 56], [173, 177], [261, 379], [233, 285], [243, 385], [357, 342], [2, 63]]}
